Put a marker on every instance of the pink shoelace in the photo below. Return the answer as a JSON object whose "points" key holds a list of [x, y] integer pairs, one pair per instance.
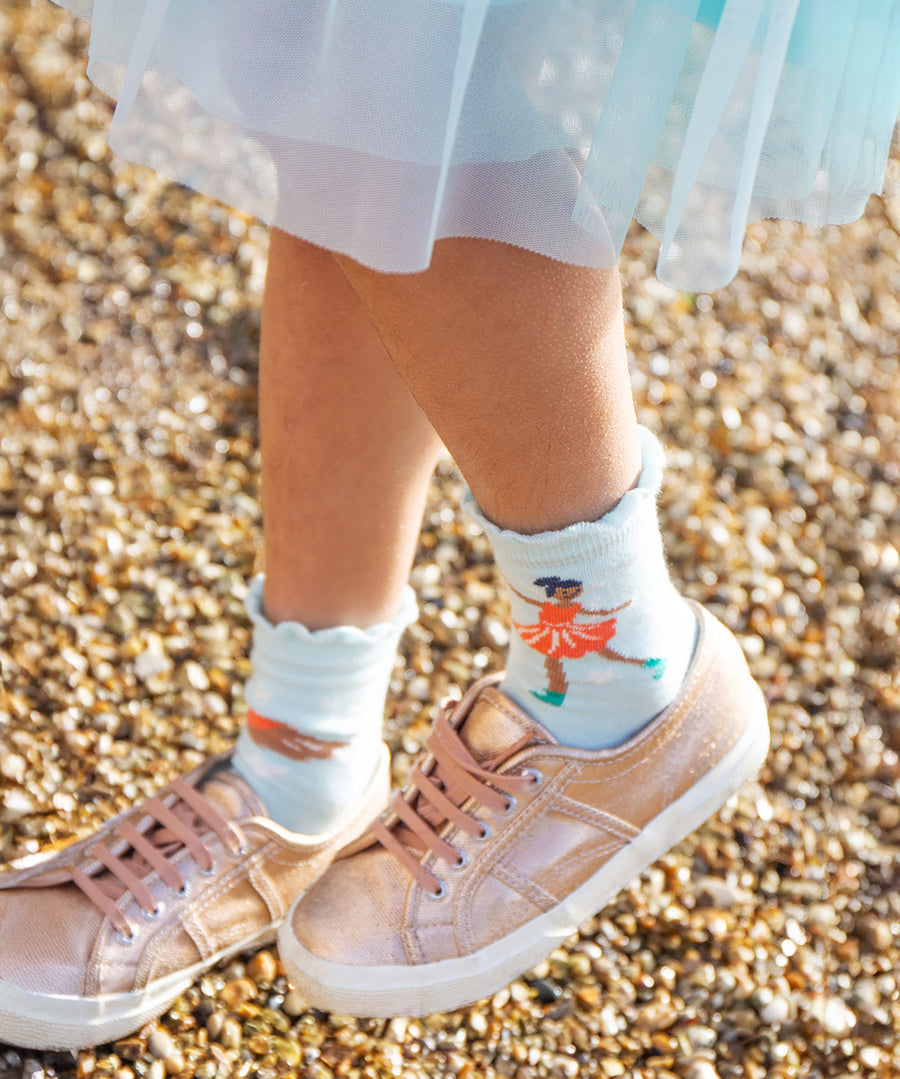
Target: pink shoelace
{"points": [[179, 826], [435, 797]]}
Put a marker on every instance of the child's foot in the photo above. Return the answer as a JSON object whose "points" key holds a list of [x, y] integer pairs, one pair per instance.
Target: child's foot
{"points": [[506, 841], [107, 933], [313, 731]]}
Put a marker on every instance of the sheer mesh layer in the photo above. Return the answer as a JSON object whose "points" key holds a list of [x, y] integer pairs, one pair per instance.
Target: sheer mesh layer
{"points": [[374, 129]]}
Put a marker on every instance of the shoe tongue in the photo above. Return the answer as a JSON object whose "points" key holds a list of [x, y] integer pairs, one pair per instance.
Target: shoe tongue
{"points": [[492, 731], [233, 796], [495, 724]]}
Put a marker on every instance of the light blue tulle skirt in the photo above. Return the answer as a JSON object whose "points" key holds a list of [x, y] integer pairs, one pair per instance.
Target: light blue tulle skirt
{"points": [[375, 127]]}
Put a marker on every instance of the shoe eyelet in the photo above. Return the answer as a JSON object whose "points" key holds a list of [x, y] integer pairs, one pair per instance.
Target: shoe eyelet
{"points": [[486, 832], [241, 849], [152, 915], [207, 872], [462, 863], [440, 893], [537, 778], [181, 893], [122, 939], [510, 806]]}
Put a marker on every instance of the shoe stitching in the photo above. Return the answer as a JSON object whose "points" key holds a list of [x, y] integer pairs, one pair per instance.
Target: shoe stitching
{"points": [[266, 888], [592, 852], [672, 729], [503, 839], [594, 817], [421, 817], [196, 931], [158, 948], [213, 891], [523, 886], [477, 871]]}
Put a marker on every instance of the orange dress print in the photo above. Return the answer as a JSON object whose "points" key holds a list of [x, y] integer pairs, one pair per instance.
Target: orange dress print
{"points": [[557, 633], [557, 636]]}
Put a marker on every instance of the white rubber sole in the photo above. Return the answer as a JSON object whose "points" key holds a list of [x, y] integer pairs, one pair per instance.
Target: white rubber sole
{"points": [[44, 1021], [450, 983]]}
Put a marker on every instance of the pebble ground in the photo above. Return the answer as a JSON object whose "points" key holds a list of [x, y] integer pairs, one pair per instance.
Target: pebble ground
{"points": [[765, 945]]}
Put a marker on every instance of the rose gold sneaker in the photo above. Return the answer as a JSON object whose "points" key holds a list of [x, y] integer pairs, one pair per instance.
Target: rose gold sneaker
{"points": [[505, 842], [103, 936]]}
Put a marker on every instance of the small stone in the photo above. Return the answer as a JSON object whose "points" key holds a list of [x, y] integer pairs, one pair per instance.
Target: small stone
{"points": [[776, 1011], [612, 1067], [837, 1019], [608, 1021], [16, 804], [563, 1010], [656, 1016], [701, 1069], [870, 1056], [722, 893], [588, 996], [160, 1043], [193, 676], [13, 767], [262, 968], [701, 1037], [153, 661], [478, 1024], [876, 933], [547, 991], [396, 1029], [258, 1044], [287, 1051], [231, 1034], [419, 688], [237, 991], [174, 1063], [294, 1004]]}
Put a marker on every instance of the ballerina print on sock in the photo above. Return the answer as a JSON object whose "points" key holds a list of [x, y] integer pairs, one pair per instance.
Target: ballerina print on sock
{"points": [[557, 636]]}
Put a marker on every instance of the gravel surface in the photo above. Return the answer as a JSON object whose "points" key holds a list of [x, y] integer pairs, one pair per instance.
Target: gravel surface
{"points": [[766, 945]]}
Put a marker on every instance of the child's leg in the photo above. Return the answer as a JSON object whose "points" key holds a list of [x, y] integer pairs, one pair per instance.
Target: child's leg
{"points": [[346, 458], [198, 872], [512, 833], [346, 452], [520, 364]]}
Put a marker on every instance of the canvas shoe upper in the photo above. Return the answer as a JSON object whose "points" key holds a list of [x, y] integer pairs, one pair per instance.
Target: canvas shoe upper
{"points": [[506, 841], [102, 936]]}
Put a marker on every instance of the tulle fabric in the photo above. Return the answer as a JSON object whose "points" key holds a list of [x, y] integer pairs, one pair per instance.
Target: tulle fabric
{"points": [[375, 127]]}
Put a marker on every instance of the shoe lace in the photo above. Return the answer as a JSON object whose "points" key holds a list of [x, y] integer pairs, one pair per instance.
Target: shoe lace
{"points": [[435, 796], [179, 825]]}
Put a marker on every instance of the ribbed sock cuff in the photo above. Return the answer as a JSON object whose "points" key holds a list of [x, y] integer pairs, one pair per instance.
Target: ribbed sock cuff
{"points": [[322, 679], [614, 538]]}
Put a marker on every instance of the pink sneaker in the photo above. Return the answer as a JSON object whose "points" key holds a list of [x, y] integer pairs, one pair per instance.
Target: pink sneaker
{"points": [[104, 935], [505, 842]]}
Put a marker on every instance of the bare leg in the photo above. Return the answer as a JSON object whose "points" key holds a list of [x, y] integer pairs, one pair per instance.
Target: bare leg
{"points": [[519, 363], [347, 452]]}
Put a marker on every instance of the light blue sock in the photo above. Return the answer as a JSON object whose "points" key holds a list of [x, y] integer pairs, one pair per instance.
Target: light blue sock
{"points": [[313, 734], [600, 640]]}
